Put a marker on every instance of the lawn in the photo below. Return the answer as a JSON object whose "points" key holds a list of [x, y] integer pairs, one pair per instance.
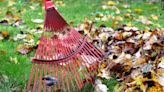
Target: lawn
{"points": [[74, 11]]}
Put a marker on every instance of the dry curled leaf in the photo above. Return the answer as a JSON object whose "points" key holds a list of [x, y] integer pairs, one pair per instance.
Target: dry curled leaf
{"points": [[23, 49]]}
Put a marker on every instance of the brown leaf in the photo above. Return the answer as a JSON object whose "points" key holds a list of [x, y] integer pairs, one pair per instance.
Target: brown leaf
{"points": [[140, 61], [118, 36], [5, 34], [9, 14], [3, 52]]}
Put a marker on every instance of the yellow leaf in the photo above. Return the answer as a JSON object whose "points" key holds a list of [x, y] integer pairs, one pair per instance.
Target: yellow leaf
{"points": [[16, 17], [115, 23], [162, 59], [157, 25], [103, 65], [127, 15], [38, 42], [137, 10], [29, 36], [111, 3], [99, 74], [154, 17], [147, 29], [129, 24], [118, 18], [61, 3]]}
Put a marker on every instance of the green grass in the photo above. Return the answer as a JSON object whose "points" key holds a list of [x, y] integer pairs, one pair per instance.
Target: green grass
{"points": [[75, 10]]}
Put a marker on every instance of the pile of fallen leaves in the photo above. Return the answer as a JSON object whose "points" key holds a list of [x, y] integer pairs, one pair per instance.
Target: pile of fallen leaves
{"points": [[134, 57]]}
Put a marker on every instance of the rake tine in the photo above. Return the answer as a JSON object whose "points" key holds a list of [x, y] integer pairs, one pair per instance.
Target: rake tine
{"points": [[71, 79], [90, 53], [73, 73], [89, 59], [88, 71], [57, 74], [35, 79], [30, 79], [53, 74], [40, 79], [60, 76], [67, 84], [84, 74], [49, 73], [93, 59], [62, 70], [45, 73], [78, 74]]}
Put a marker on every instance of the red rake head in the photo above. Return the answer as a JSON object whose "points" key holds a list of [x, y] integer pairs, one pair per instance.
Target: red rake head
{"points": [[69, 58], [53, 20]]}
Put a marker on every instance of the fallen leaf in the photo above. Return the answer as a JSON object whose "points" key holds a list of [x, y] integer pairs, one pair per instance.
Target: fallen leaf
{"points": [[104, 74], [161, 64], [118, 18], [23, 49], [111, 3], [14, 59], [154, 17], [127, 15], [100, 87], [19, 37], [4, 22], [147, 68], [9, 14], [160, 80], [146, 35], [5, 34], [37, 20], [137, 10], [118, 36], [126, 6]]}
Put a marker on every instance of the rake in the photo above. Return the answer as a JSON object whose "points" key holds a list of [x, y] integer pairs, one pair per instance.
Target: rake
{"points": [[64, 60]]}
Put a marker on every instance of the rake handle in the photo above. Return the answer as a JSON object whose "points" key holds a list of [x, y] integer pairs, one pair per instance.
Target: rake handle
{"points": [[48, 4]]}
